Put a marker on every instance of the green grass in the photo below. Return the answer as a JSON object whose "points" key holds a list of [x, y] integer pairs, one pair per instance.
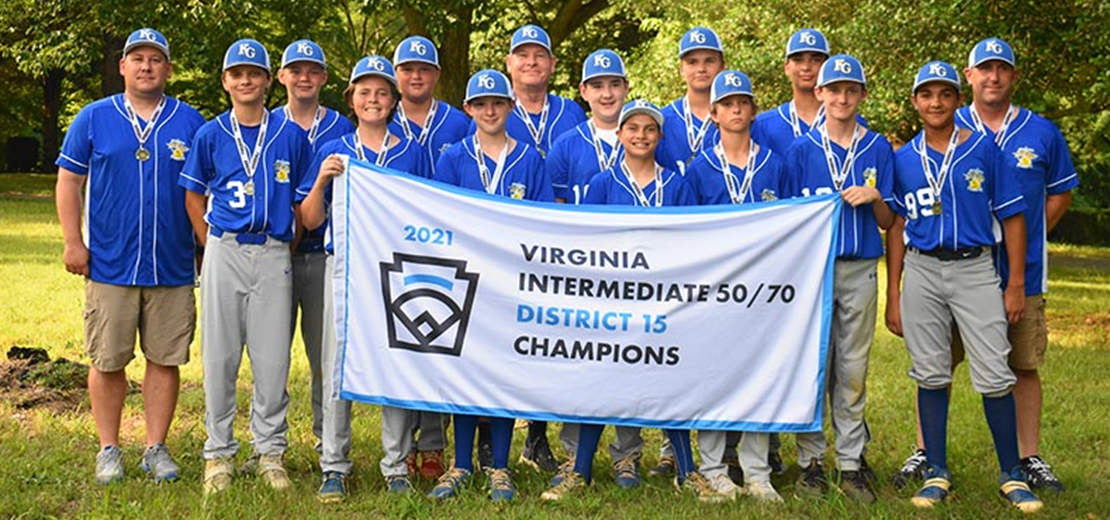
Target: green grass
{"points": [[46, 458]]}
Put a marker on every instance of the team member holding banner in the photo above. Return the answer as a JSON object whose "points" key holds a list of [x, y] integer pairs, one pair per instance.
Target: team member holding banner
{"points": [[946, 274], [493, 162], [637, 180], [372, 95], [841, 156], [240, 179], [736, 170]]}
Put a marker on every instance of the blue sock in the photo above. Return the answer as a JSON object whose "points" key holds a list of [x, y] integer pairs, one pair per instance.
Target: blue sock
{"points": [[589, 435], [501, 438], [683, 455], [932, 409], [464, 441], [1002, 418]]}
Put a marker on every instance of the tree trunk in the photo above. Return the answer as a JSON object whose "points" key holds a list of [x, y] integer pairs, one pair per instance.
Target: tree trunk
{"points": [[454, 56], [51, 108], [110, 80]]}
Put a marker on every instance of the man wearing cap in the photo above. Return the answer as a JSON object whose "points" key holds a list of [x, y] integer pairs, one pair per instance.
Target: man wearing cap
{"points": [[842, 156], [948, 174], [137, 252], [687, 129], [778, 127], [240, 180], [538, 117], [303, 73], [432, 123]]}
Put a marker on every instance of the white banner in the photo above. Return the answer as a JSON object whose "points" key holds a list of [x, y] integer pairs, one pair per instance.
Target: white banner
{"points": [[712, 317]]}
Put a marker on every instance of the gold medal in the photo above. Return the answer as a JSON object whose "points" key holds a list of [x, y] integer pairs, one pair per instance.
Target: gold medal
{"points": [[142, 154], [248, 188], [936, 208]]}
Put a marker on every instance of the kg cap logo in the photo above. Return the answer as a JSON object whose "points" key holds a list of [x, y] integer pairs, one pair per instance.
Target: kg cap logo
{"points": [[529, 31], [428, 303], [937, 69], [807, 38], [375, 63], [418, 47], [993, 47], [486, 82], [843, 66], [147, 35], [603, 61], [733, 80], [245, 49], [304, 49], [697, 37]]}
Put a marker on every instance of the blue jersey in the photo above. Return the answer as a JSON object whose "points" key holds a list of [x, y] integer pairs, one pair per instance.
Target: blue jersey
{"points": [[707, 178], [137, 229], [215, 168], [873, 166], [406, 156], [332, 126], [977, 189], [574, 160], [562, 115], [674, 149], [522, 176], [611, 187], [775, 130], [1038, 154], [449, 126]]}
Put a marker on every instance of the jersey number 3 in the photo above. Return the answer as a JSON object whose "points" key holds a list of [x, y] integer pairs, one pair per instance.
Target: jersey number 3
{"points": [[240, 194]]}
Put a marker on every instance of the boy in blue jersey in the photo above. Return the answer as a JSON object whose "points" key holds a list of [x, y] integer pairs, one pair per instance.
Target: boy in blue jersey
{"points": [[432, 123], [736, 170], [951, 189], [373, 97], [686, 127], [841, 156], [538, 118], [303, 73], [492, 161], [137, 255], [778, 127], [240, 179], [636, 180]]}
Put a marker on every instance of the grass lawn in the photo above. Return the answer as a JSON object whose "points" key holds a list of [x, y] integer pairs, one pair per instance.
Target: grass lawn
{"points": [[46, 455]]}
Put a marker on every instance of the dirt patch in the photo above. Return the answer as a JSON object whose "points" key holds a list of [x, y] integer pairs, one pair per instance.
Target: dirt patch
{"points": [[29, 379]]}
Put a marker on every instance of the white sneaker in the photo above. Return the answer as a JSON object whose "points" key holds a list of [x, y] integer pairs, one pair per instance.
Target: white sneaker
{"points": [[109, 465], [724, 486], [762, 492]]}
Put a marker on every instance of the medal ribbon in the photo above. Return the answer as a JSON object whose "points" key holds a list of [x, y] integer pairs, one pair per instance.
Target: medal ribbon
{"points": [[641, 198], [536, 133], [737, 195], [425, 130], [795, 121], [604, 162], [490, 184], [936, 182], [1000, 135], [250, 158], [380, 159], [316, 119], [693, 138], [143, 133], [840, 176]]}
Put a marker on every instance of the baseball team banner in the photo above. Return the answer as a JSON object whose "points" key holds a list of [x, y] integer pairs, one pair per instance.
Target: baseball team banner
{"points": [[712, 317]]}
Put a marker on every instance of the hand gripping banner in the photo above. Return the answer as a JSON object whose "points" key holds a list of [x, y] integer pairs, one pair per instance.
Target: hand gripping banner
{"points": [[713, 317]]}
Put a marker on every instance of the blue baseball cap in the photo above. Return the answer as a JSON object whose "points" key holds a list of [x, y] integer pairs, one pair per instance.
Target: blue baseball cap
{"points": [[303, 50], [730, 83], [991, 49], [418, 49], [841, 67], [488, 83], [807, 40], [699, 38], [247, 52], [531, 34], [147, 37], [640, 106], [373, 66], [603, 62], [937, 72]]}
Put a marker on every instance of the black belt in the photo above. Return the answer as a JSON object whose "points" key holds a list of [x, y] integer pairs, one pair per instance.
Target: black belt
{"points": [[242, 238], [948, 255]]}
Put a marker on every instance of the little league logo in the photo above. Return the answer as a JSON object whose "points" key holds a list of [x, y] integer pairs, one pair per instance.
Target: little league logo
{"points": [[1025, 157], [517, 190], [427, 303], [869, 177], [281, 171], [177, 149], [768, 195], [974, 178]]}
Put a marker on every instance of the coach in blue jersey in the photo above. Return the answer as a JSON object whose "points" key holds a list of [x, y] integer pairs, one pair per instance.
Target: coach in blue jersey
{"points": [[240, 180], [137, 257], [841, 156], [432, 123], [687, 129], [538, 118], [303, 73], [778, 127], [951, 188]]}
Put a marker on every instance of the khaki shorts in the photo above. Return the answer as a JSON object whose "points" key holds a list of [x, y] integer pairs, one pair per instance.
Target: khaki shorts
{"points": [[1028, 337], [164, 317]]}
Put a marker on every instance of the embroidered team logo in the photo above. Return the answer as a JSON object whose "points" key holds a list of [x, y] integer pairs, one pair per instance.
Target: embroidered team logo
{"points": [[974, 178], [427, 303], [517, 190], [177, 149], [869, 177], [1025, 157], [768, 195], [281, 171]]}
